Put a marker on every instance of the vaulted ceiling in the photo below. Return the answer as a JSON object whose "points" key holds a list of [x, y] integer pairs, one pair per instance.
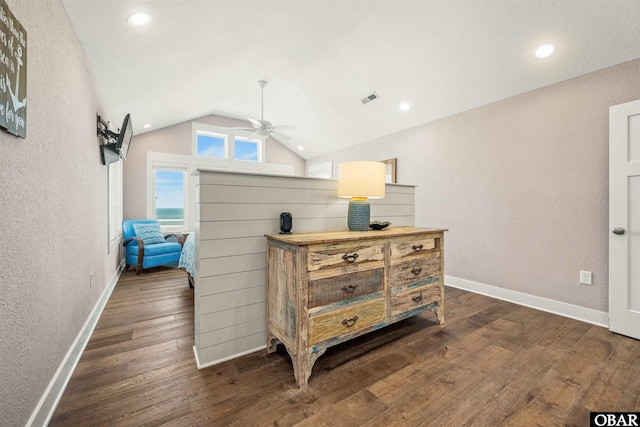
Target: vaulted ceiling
{"points": [[320, 58]]}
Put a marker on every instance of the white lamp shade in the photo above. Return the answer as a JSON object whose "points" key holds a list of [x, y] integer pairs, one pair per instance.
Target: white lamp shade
{"points": [[361, 179]]}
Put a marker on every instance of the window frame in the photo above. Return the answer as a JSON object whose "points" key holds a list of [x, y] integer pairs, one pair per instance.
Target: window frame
{"points": [[322, 170], [259, 144], [172, 166], [224, 137], [114, 205]]}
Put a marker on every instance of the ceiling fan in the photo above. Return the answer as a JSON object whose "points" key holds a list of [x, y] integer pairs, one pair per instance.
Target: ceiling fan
{"points": [[262, 128]]}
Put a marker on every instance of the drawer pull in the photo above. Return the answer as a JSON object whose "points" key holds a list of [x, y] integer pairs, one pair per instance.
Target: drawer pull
{"points": [[350, 258], [417, 247], [349, 288], [417, 270], [417, 299], [350, 322]]}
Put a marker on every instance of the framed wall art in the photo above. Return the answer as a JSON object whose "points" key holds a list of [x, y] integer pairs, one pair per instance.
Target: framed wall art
{"points": [[13, 73]]}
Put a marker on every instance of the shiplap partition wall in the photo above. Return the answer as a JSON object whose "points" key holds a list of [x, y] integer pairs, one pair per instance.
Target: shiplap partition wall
{"points": [[233, 213]]}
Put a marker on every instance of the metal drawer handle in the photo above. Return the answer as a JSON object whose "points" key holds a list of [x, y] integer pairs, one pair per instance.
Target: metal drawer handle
{"points": [[417, 299], [416, 271], [350, 322], [417, 247], [350, 258], [618, 230], [349, 288]]}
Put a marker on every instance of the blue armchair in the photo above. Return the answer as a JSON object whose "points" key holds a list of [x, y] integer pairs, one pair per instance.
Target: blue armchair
{"points": [[146, 247]]}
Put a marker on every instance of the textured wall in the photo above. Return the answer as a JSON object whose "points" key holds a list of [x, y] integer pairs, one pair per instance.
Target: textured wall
{"points": [[177, 139], [53, 210], [521, 184]]}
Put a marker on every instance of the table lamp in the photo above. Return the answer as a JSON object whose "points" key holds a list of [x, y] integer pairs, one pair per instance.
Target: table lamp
{"points": [[361, 181]]}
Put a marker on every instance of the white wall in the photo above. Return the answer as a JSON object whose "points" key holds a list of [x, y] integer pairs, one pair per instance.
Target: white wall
{"points": [[53, 209], [176, 139], [235, 211], [521, 184]]}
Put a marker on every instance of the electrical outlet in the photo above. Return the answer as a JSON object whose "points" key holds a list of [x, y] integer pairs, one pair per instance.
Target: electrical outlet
{"points": [[585, 277], [91, 280]]}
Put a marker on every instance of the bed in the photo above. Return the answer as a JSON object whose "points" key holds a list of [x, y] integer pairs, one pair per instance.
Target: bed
{"points": [[187, 258]]}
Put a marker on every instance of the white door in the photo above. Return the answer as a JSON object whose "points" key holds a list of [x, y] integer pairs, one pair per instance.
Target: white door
{"points": [[624, 219]]}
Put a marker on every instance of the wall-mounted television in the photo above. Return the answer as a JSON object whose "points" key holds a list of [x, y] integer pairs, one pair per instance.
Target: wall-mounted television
{"points": [[117, 144], [124, 137]]}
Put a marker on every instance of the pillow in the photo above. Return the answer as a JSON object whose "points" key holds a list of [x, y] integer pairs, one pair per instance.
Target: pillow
{"points": [[149, 233]]}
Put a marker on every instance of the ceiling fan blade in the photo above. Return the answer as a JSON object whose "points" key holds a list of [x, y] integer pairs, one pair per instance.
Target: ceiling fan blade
{"points": [[247, 129], [262, 128], [280, 136], [285, 127], [256, 123]]}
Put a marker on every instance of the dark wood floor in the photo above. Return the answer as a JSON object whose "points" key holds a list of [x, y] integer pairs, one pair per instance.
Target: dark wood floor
{"points": [[493, 363]]}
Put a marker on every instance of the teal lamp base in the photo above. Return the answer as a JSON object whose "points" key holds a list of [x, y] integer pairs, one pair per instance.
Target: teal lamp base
{"points": [[359, 214]]}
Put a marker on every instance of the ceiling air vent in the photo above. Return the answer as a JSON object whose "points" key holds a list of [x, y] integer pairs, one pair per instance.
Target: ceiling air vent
{"points": [[370, 98]]}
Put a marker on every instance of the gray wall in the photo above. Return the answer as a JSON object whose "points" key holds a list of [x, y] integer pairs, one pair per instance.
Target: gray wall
{"points": [[176, 139], [53, 208], [521, 184]]}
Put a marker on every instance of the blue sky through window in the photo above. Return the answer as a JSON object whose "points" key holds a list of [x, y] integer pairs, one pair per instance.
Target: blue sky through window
{"points": [[245, 150], [169, 189], [211, 146]]}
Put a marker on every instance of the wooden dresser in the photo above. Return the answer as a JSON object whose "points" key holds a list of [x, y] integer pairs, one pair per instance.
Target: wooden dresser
{"points": [[328, 287]]}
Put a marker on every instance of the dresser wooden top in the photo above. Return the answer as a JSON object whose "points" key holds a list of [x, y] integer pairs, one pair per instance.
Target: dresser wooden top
{"points": [[344, 235]]}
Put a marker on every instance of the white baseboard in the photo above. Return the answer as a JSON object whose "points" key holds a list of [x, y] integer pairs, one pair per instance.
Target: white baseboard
{"points": [[224, 359], [588, 315], [49, 401]]}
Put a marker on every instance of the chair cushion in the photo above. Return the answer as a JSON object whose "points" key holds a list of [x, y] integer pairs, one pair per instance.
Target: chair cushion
{"points": [[155, 248], [149, 233]]}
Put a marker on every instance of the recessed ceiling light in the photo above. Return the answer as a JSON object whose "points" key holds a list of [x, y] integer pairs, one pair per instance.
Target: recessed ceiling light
{"points": [[545, 50], [139, 18], [146, 126], [300, 147], [405, 106]]}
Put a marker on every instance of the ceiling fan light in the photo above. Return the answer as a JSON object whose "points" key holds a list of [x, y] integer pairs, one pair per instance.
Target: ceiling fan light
{"points": [[262, 133]]}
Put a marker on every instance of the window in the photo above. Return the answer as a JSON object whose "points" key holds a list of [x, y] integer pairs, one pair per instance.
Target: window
{"points": [[247, 149], [114, 213], [211, 145], [170, 180], [214, 143], [322, 170], [170, 197]]}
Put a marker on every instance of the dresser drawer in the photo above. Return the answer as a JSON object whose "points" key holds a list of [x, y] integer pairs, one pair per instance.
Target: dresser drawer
{"points": [[345, 321], [415, 270], [413, 298], [332, 255], [413, 245], [332, 289]]}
